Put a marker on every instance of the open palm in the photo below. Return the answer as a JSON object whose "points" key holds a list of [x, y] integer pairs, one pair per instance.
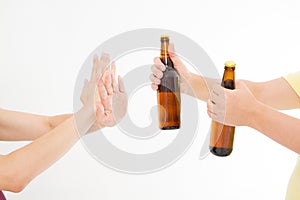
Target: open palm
{"points": [[110, 100], [113, 98]]}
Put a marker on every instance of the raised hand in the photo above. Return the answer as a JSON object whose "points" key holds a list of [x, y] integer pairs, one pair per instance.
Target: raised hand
{"points": [[102, 95], [88, 95], [113, 98]]}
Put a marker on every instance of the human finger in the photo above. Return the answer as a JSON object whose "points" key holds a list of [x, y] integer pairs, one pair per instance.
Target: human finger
{"points": [[214, 98], [154, 86], [108, 83], [95, 68], [176, 60], [86, 82], [105, 100], [216, 92], [84, 91], [210, 106], [157, 70], [154, 79], [113, 76], [104, 62], [102, 90], [100, 115], [159, 63], [121, 85]]}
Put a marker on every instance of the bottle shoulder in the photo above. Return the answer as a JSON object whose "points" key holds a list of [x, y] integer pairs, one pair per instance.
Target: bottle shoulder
{"points": [[170, 72]]}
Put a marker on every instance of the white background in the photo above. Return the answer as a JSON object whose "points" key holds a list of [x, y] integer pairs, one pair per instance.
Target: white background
{"points": [[44, 43]]}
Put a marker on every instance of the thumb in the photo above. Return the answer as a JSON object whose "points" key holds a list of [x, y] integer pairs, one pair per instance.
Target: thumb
{"points": [[173, 55], [171, 50], [178, 65]]}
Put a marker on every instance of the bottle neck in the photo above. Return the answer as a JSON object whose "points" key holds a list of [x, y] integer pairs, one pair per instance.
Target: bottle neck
{"points": [[228, 80], [228, 73], [164, 53]]}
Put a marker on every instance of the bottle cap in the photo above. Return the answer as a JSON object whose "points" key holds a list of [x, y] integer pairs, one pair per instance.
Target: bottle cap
{"points": [[164, 38], [230, 64]]}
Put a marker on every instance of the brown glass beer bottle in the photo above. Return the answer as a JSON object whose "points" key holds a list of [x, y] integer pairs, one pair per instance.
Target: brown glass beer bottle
{"points": [[222, 136], [168, 93]]}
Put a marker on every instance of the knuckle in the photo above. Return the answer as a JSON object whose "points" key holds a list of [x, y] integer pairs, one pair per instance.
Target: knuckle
{"points": [[151, 77], [156, 60]]}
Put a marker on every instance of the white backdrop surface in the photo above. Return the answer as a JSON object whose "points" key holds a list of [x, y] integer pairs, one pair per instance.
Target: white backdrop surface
{"points": [[44, 43]]}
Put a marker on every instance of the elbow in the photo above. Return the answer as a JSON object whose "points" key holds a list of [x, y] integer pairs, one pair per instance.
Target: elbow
{"points": [[15, 175], [17, 185], [16, 182], [16, 188]]}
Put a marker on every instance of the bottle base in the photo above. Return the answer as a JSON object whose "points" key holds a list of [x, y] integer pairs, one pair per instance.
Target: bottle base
{"points": [[222, 152], [170, 127]]}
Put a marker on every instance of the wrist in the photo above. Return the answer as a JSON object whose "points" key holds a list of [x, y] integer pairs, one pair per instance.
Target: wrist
{"points": [[187, 84], [198, 86], [54, 121], [254, 114], [84, 119]]}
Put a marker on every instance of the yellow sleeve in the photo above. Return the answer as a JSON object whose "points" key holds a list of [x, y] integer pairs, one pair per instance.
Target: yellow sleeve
{"points": [[293, 191], [294, 81]]}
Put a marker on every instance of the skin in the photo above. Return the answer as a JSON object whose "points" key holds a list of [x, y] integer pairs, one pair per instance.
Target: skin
{"points": [[54, 136], [252, 104]]}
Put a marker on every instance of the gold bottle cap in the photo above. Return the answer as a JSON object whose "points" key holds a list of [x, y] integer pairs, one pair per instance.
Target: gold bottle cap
{"points": [[164, 37], [230, 64]]}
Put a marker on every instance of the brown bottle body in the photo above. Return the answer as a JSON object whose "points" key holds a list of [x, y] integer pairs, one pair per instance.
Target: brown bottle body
{"points": [[222, 136], [168, 93]]}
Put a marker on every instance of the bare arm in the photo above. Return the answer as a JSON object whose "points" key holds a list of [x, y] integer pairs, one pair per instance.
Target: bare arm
{"points": [[251, 104], [262, 116], [18, 168], [17, 126], [21, 166], [240, 107], [276, 93], [282, 128]]}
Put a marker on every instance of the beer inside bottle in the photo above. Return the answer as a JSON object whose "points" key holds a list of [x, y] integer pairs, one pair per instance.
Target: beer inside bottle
{"points": [[222, 136], [168, 93]]}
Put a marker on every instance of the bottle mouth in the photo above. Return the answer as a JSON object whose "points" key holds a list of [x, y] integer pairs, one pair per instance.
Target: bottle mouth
{"points": [[164, 38], [230, 64]]}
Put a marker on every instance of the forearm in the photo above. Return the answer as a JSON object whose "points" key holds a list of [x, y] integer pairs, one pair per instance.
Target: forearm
{"points": [[54, 121], [283, 97], [199, 86], [21, 166], [281, 128], [18, 126], [276, 93]]}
